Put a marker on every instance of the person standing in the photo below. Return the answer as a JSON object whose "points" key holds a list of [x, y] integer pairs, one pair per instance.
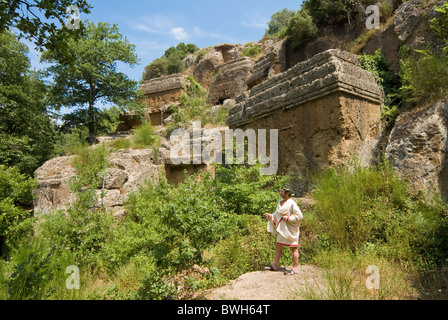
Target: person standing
{"points": [[285, 224]]}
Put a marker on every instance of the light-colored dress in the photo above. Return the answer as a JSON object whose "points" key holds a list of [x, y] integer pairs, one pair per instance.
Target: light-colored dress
{"points": [[287, 230]]}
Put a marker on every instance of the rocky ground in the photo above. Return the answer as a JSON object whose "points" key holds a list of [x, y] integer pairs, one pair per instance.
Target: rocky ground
{"points": [[269, 285]]}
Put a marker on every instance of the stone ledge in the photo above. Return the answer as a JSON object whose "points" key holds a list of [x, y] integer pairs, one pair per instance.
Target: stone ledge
{"points": [[163, 84], [326, 73]]}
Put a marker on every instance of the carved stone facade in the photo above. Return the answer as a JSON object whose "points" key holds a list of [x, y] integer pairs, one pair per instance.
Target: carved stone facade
{"points": [[327, 111]]}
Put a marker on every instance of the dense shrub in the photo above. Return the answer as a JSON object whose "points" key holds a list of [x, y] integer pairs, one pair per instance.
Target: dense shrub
{"points": [[15, 198], [170, 63], [297, 26], [300, 29], [370, 209], [389, 83], [251, 50], [325, 12]]}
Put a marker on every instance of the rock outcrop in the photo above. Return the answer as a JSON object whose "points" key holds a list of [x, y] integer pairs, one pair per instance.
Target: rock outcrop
{"points": [[418, 147], [230, 79], [129, 170]]}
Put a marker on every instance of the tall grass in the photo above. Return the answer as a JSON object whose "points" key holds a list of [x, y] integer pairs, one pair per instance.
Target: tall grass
{"points": [[37, 271], [145, 137], [367, 216]]}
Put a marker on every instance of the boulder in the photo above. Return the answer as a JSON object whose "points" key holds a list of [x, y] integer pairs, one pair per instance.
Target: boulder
{"points": [[129, 170], [230, 79], [204, 70], [417, 147], [53, 191], [411, 23]]}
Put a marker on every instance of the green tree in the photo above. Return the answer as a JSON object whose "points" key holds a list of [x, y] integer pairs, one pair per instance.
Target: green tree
{"points": [[335, 11], [300, 28], [35, 20], [279, 21], [26, 131], [94, 76], [170, 63]]}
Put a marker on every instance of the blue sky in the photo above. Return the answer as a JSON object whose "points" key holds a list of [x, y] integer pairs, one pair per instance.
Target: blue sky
{"points": [[155, 25]]}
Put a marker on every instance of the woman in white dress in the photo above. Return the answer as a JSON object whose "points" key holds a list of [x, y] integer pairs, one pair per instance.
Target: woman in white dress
{"points": [[285, 224]]}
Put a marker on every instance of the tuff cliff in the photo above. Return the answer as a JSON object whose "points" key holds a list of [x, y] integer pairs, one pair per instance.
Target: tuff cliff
{"points": [[325, 106]]}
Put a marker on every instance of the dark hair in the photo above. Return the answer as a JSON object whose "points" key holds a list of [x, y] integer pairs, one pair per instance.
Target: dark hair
{"points": [[288, 191]]}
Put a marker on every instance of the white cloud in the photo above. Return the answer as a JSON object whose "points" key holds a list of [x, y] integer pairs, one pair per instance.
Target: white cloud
{"points": [[256, 20], [159, 24], [179, 33]]}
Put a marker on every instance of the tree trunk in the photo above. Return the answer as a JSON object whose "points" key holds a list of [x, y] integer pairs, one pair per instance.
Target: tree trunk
{"points": [[91, 123]]}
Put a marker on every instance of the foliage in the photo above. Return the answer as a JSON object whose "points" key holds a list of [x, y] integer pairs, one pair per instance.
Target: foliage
{"points": [[371, 210], [279, 21], [388, 81], [15, 195], [180, 51], [245, 191], [194, 105], [37, 271], [90, 164], [183, 221], [248, 248], [26, 17], [106, 120], [170, 63], [251, 50], [25, 144], [300, 29], [439, 24], [424, 75], [146, 137], [325, 12], [85, 226], [94, 76]]}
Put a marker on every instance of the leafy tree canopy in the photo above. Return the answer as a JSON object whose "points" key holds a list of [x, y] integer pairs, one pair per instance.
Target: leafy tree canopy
{"points": [[35, 20], [94, 76], [26, 131], [279, 21], [170, 63]]}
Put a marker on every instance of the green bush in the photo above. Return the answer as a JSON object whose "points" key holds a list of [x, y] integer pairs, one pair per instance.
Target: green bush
{"points": [[301, 28], [15, 198], [248, 248], [251, 50], [279, 21], [424, 76], [325, 12], [90, 164], [145, 137], [170, 63], [243, 190], [361, 209], [389, 83], [37, 271], [120, 143]]}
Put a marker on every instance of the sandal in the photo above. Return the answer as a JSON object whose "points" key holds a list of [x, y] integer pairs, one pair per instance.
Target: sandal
{"points": [[290, 272], [270, 268]]}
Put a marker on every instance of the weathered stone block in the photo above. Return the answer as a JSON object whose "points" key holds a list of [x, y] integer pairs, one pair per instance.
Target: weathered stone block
{"points": [[327, 111]]}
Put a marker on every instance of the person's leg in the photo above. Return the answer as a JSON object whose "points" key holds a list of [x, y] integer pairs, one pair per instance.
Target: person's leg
{"points": [[295, 258], [277, 256]]}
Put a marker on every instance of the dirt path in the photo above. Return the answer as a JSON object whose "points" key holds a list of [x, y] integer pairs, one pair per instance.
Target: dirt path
{"points": [[268, 285]]}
